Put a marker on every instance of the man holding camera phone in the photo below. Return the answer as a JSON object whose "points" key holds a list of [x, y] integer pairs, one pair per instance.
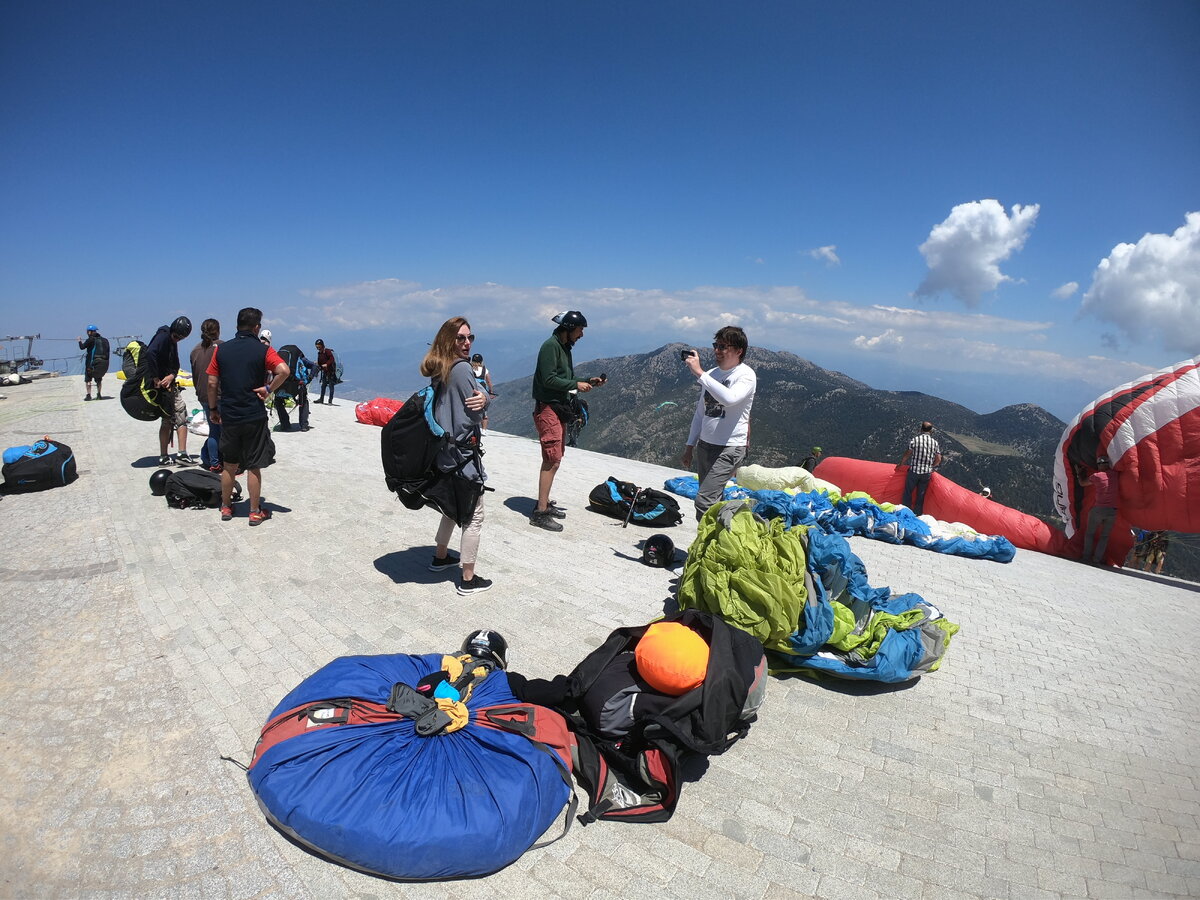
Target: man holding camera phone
{"points": [[554, 386], [721, 424]]}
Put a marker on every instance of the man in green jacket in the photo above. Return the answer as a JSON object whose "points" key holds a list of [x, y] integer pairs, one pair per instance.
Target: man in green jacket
{"points": [[554, 382]]}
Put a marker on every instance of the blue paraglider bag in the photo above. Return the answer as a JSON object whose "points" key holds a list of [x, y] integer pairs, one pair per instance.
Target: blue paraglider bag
{"points": [[341, 772]]}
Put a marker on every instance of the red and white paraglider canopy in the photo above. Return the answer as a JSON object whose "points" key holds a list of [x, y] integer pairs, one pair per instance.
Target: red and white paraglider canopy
{"points": [[1150, 431]]}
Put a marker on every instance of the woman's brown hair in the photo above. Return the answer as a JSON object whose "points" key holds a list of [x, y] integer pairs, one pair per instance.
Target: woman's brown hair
{"points": [[443, 352], [210, 330]]}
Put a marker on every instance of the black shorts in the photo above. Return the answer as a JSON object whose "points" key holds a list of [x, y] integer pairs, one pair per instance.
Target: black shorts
{"points": [[248, 444]]}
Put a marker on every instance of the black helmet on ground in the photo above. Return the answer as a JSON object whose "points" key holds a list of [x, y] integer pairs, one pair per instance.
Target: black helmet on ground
{"points": [[158, 482], [181, 327], [571, 319], [488, 645], [658, 551]]}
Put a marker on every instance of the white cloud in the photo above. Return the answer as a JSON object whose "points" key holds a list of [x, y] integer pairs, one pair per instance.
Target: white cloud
{"points": [[1151, 289], [964, 251], [888, 342], [827, 253], [785, 311], [1066, 291], [779, 316]]}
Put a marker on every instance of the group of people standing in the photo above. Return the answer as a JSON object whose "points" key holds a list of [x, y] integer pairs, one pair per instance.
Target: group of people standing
{"points": [[233, 380], [718, 438]]}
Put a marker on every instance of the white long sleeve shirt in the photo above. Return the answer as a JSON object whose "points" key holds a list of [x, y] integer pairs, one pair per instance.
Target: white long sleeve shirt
{"points": [[722, 413]]}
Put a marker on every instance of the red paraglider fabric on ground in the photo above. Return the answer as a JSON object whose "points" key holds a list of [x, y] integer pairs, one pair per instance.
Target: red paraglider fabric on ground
{"points": [[378, 411], [947, 501]]}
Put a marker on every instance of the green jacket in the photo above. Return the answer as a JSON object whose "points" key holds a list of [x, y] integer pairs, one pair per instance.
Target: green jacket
{"points": [[554, 378]]}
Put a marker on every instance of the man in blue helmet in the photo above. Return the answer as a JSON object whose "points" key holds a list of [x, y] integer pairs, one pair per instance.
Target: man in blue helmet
{"points": [[554, 384], [95, 360]]}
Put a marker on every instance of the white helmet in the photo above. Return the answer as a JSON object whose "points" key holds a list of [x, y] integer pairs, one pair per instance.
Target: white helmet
{"points": [[265, 335]]}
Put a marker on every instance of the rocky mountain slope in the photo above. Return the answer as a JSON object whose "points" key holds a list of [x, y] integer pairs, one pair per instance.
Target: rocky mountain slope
{"points": [[645, 411]]}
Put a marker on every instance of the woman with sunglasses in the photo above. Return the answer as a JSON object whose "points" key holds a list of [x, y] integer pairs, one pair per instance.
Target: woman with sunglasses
{"points": [[459, 409], [720, 431]]}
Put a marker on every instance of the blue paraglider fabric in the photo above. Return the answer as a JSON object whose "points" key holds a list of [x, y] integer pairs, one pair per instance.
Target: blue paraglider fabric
{"points": [[857, 516], [380, 798]]}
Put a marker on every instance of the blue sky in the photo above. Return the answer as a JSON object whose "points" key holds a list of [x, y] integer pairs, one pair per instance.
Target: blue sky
{"points": [[989, 202]]}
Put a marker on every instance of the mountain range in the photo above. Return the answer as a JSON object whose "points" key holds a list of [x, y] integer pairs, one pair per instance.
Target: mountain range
{"points": [[645, 410]]}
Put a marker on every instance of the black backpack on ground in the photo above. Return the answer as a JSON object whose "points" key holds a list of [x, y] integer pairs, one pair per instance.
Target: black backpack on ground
{"points": [[197, 489], [641, 506], [633, 740], [45, 464]]}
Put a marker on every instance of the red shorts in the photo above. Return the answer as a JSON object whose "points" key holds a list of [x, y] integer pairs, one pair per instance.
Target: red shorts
{"points": [[550, 433]]}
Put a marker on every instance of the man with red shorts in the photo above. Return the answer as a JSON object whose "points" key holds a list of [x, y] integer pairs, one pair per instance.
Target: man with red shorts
{"points": [[553, 383], [241, 368]]}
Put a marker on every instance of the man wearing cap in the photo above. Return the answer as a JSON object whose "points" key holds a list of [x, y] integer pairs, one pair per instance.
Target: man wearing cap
{"points": [[554, 382], [925, 456], [810, 461], [95, 359], [1103, 512]]}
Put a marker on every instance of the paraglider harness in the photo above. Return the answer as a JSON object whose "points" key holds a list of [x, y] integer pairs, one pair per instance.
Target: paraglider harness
{"points": [[573, 413], [410, 445], [632, 774]]}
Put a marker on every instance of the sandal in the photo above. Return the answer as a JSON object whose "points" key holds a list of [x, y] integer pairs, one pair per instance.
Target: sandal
{"points": [[258, 516], [226, 513]]}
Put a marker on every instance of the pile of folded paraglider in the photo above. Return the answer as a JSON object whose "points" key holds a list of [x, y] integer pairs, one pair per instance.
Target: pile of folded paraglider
{"points": [[438, 766], [803, 499]]}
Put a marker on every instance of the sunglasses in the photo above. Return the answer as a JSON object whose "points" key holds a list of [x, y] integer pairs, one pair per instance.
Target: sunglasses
{"points": [[717, 345], [464, 337]]}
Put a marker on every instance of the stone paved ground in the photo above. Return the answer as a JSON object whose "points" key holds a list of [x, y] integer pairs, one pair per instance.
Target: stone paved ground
{"points": [[1056, 754]]}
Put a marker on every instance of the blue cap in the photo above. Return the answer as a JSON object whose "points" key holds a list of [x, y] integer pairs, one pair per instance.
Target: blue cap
{"points": [[93, 328]]}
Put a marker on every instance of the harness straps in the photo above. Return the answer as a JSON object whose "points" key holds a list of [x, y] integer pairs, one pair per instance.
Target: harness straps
{"points": [[519, 720]]}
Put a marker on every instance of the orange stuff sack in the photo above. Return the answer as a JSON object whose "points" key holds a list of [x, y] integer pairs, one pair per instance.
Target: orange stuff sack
{"points": [[672, 658]]}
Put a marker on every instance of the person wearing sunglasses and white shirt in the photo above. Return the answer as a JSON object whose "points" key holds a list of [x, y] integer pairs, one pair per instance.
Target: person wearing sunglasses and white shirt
{"points": [[720, 433]]}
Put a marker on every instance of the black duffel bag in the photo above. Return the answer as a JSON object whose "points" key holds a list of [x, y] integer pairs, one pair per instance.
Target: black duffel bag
{"points": [[46, 464]]}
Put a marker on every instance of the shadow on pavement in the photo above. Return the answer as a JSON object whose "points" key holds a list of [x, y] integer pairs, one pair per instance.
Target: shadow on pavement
{"points": [[411, 566], [148, 462]]}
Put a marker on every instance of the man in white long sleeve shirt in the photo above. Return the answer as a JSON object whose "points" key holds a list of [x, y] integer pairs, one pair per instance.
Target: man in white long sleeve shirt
{"points": [[720, 431]]}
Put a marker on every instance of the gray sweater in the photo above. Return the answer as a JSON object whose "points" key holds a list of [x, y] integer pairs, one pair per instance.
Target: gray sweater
{"points": [[461, 423]]}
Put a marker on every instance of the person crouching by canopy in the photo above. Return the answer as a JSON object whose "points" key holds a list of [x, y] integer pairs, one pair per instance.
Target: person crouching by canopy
{"points": [[720, 433], [459, 409]]}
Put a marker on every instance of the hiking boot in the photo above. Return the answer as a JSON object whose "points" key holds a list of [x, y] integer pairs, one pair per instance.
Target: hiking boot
{"points": [[88, 397], [555, 510], [477, 585], [226, 513], [258, 516], [545, 519], [442, 563]]}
